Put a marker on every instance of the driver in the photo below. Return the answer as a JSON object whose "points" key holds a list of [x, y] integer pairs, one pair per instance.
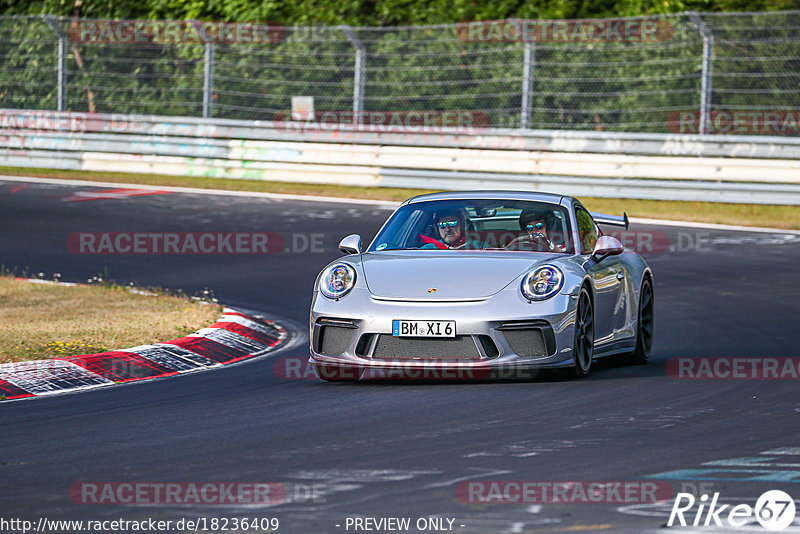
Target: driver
{"points": [[451, 225], [539, 224]]}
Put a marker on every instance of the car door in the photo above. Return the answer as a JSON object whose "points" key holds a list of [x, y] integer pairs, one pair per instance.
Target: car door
{"points": [[607, 278], [623, 312]]}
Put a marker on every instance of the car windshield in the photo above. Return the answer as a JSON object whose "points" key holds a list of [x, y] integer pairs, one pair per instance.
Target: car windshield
{"points": [[480, 224]]}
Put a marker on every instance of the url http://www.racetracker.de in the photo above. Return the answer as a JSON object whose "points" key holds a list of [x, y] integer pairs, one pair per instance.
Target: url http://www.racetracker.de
{"points": [[44, 525]]}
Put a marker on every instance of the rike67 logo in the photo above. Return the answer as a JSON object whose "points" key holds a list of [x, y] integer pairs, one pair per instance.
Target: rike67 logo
{"points": [[774, 510]]}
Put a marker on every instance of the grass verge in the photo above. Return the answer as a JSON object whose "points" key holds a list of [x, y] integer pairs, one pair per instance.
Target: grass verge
{"points": [[774, 216], [47, 321]]}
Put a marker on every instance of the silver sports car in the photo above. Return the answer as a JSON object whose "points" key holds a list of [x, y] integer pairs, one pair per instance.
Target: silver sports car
{"points": [[463, 285]]}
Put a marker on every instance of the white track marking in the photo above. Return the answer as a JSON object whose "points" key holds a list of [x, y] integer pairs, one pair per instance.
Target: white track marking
{"points": [[193, 190], [382, 204]]}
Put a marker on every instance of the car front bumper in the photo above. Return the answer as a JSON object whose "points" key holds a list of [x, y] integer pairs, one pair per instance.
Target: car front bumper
{"points": [[502, 332]]}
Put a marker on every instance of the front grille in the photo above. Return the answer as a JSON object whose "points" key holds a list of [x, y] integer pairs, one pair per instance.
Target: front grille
{"points": [[333, 340], [528, 342], [457, 348]]}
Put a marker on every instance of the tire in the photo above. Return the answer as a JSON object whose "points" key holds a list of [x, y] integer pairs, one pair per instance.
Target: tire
{"points": [[338, 373], [644, 325], [583, 345]]}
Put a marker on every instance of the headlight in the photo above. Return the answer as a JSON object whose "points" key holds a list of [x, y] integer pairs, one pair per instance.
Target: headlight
{"points": [[542, 283], [337, 280]]}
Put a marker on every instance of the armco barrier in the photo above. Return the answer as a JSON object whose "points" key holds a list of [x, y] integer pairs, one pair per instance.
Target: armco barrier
{"points": [[669, 167], [707, 191]]}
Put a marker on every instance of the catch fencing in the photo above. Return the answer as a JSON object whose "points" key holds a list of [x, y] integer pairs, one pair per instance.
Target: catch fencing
{"points": [[681, 73]]}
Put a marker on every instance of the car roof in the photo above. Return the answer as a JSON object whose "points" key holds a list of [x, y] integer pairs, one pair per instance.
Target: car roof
{"points": [[489, 195]]}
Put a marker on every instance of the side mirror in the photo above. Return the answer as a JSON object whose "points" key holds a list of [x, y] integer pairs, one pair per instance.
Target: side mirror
{"points": [[351, 244], [607, 246]]}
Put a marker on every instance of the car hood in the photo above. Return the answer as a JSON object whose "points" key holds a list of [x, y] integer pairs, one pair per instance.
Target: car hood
{"points": [[455, 275]]}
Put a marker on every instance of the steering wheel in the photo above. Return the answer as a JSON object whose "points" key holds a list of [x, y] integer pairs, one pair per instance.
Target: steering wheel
{"points": [[538, 239]]}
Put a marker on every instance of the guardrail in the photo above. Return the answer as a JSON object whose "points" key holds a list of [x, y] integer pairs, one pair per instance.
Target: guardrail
{"points": [[657, 166]]}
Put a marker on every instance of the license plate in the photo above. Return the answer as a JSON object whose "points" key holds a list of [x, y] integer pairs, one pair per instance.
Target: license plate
{"points": [[402, 328]]}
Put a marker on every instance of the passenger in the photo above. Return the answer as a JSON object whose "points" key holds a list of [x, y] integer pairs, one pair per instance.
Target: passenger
{"points": [[540, 225]]}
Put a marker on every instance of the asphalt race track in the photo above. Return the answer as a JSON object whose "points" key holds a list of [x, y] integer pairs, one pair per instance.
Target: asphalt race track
{"points": [[380, 449]]}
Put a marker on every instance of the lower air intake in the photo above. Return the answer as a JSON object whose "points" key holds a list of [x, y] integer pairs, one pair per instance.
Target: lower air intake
{"points": [[457, 348], [333, 340], [528, 342]]}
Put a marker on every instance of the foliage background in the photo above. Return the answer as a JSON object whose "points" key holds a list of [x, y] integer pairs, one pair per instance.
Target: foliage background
{"points": [[375, 12], [576, 85]]}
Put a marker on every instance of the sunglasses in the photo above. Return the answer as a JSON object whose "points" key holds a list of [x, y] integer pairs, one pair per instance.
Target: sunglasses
{"points": [[447, 224], [537, 226]]}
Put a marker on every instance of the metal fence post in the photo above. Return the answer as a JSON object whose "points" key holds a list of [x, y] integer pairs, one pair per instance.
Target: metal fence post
{"points": [[358, 75], [208, 81], [708, 58], [61, 48], [528, 62], [527, 84]]}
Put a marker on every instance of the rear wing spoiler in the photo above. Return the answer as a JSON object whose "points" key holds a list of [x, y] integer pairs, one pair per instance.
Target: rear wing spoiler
{"points": [[613, 220]]}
